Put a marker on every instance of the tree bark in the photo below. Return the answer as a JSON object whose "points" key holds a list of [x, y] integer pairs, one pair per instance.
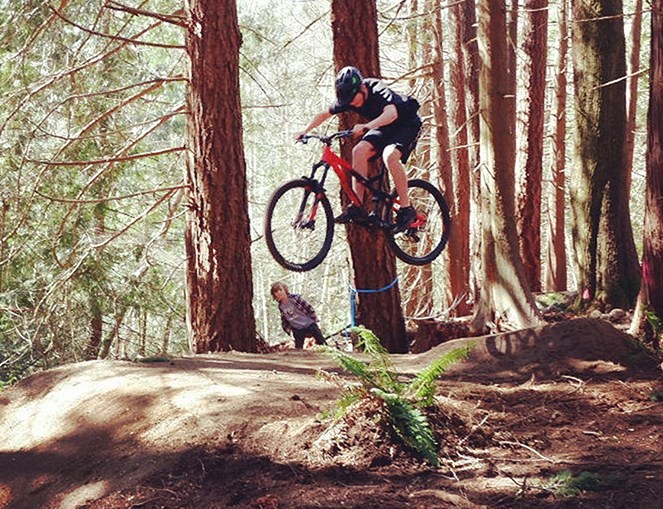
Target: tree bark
{"points": [[468, 27], [605, 254], [632, 87], [589, 175], [417, 283], [219, 281], [505, 294], [530, 150], [556, 273], [355, 36], [618, 278], [459, 196], [650, 298], [444, 165]]}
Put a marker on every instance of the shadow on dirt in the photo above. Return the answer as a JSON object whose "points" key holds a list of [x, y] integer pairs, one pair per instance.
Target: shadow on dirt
{"points": [[238, 430]]}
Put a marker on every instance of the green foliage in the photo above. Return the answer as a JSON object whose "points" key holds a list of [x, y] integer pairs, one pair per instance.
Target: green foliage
{"points": [[404, 401], [656, 396], [10, 376], [655, 322], [70, 231], [411, 425], [423, 386], [566, 484], [559, 302]]}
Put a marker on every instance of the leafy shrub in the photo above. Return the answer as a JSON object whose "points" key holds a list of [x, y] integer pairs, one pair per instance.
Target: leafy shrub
{"points": [[404, 402], [566, 484]]}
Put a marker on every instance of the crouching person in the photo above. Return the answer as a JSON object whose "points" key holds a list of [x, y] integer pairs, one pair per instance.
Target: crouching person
{"points": [[297, 316]]}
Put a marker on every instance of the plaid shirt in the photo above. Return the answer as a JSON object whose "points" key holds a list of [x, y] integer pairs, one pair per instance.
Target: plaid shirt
{"points": [[303, 306]]}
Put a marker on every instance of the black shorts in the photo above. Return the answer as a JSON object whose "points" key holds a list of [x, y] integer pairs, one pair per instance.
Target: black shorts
{"points": [[403, 135]]}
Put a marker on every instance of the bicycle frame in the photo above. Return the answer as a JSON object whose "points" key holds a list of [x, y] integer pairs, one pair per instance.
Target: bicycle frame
{"points": [[345, 172]]}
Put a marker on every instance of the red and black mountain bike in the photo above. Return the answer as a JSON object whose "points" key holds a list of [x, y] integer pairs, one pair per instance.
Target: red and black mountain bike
{"points": [[299, 223]]}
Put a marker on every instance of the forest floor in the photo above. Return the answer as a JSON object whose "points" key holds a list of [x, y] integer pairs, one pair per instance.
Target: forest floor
{"points": [[569, 415]]}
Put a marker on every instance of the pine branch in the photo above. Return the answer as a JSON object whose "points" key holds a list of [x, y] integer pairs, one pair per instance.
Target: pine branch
{"points": [[115, 159], [177, 18], [131, 40]]}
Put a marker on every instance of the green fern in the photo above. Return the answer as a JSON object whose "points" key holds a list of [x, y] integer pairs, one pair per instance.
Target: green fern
{"points": [[380, 361], [358, 368], [655, 322], [411, 425], [369, 342], [377, 373], [422, 388], [403, 401], [347, 399]]}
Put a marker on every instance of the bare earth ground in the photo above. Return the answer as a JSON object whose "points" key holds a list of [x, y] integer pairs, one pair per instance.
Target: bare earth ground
{"points": [[246, 431]]}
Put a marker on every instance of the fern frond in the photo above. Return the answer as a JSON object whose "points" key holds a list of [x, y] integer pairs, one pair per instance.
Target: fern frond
{"points": [[411, 425], [354, 366], [380, 362], [347, 399], [422, 388], [369, 341]]}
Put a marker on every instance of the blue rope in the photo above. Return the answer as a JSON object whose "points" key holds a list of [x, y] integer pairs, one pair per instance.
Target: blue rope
{"points": [[355, 291]]}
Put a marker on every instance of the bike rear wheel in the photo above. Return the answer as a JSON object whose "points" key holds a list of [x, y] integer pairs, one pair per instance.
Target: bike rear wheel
{"points": [[299, 225], [427, 236]]}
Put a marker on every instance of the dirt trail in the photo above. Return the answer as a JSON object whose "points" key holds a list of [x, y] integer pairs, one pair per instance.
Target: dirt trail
{"points": [[240, 430]]}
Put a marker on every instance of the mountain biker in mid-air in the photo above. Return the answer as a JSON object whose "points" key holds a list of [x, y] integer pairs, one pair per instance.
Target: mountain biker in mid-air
{"points": [[392, 128]]}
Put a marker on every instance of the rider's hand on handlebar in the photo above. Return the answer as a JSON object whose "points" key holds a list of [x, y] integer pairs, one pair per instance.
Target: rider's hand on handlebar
{"points": [[360, 130]]}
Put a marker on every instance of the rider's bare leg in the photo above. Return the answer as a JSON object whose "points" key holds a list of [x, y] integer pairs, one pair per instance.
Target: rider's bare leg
{"points": [[392, 159], [361, 153]]}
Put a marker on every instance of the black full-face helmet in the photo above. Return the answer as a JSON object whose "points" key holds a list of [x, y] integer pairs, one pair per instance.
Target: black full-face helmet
{"points": [[348, 83]]}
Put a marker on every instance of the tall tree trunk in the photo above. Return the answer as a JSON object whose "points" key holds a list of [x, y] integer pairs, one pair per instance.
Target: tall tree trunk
{"points": [[417, 283], [460, 155], [632, 88], [592, 151], [512, 15], [96, 329], [606, 258], [530, 139], [219, 284], [618, 278], [413, 43], [556, 251], [372, 261], [470, 47], [650, 298], [444, 165], [94, 296], [505, 294]]}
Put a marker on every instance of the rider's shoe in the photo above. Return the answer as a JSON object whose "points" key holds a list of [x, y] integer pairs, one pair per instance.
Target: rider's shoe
{"points": [[404, 217], [352, 214]]}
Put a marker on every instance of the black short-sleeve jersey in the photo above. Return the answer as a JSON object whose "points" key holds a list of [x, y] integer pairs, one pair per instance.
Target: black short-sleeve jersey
{"points": [[380, 96]]}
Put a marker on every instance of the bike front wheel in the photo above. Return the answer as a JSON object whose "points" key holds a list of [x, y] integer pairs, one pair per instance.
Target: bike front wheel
{"points": [[299, 225], [427, 235]]}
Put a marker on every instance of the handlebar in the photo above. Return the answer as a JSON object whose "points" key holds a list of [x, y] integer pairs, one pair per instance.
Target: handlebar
{"points": [[327, 140]]}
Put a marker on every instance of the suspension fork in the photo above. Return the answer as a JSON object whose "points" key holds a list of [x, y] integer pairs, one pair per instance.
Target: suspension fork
{"points": [[317, 189]]}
